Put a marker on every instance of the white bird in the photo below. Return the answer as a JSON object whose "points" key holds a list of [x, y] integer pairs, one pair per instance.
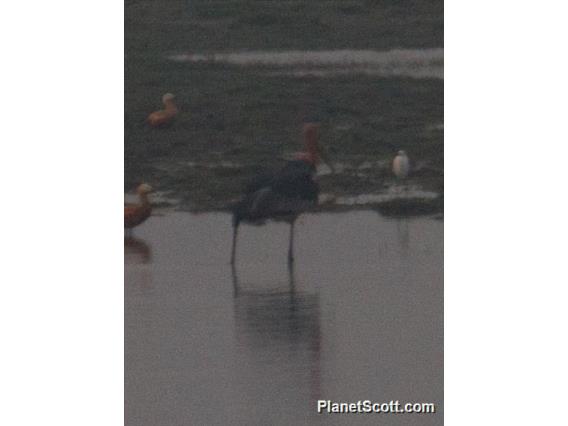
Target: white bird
{"points": [[401, 165]]}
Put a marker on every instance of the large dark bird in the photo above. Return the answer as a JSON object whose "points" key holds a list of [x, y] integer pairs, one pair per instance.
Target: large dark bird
{"points": [[283, 195]]}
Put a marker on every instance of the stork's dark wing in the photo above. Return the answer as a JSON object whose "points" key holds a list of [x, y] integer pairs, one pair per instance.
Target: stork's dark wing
{"points": [[258, 182], [295, 180], [289, 191]]}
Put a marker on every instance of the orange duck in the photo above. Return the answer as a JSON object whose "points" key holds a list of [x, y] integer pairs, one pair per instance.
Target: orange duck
{"points": [[135, 214], [164, 116]]}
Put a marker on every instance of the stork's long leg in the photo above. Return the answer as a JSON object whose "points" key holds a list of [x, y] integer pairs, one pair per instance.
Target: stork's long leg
{"points": [[291, 242], [234, 246]]}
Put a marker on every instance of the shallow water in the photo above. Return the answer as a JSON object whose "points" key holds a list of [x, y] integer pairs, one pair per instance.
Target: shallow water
{"points": [[360, 316]]}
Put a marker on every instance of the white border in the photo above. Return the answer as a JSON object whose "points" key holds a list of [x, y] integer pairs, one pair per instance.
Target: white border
{"points": [[506, 213], [61, 308], [61, 148]]}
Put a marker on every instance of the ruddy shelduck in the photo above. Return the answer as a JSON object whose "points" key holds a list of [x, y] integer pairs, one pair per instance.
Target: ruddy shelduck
{"points": [[135, 214], [164, 116]]}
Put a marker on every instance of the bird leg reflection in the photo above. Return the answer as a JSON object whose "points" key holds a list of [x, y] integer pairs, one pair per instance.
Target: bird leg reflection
{"points": [[237, 284], [235, 279], [291, 278]]}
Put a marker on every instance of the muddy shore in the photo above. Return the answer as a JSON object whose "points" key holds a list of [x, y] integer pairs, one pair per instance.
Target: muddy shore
{"points": [[237, 121]]}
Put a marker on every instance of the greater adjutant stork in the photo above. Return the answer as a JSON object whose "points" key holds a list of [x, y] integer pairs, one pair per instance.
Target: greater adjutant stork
{"points": [[283, 195]]}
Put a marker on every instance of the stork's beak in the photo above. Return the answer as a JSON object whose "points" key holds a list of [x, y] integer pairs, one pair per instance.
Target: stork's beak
{"points": [[324, 154]]}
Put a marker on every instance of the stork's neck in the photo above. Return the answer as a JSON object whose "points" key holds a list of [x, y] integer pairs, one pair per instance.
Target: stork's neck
{"points": [[311, 148], [144, 200], [312, 155], [311, 158]]}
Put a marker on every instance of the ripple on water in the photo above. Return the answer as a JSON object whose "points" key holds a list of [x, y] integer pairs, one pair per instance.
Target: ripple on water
{"points": [[394, 193], [415, 63]]}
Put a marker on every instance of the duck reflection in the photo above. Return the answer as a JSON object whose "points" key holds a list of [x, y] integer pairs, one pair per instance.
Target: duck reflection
{"points": [[280, 333], [136, 250]]}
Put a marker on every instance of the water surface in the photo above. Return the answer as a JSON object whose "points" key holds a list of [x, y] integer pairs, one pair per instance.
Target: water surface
{"points": [[360, 316]]}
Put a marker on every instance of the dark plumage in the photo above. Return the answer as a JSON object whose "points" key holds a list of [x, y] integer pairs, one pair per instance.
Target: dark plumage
{"points": [[281, 195]]}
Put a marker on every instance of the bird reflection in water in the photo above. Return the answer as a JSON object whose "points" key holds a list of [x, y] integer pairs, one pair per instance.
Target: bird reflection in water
{"points": [[136, 250], [280, 332], [403, 234], [399, 212]]}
